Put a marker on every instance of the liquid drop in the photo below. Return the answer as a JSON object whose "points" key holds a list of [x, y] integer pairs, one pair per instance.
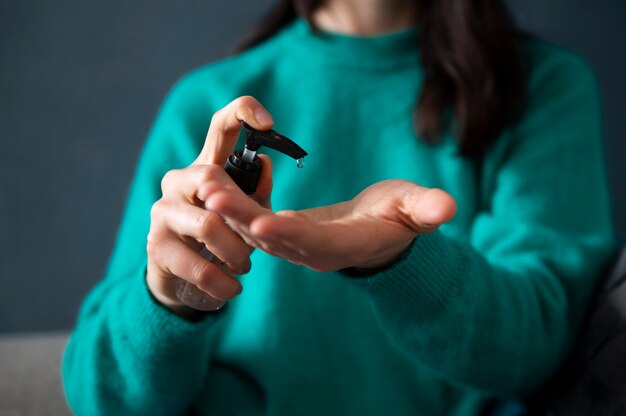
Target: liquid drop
{"points": [[300, 163]]}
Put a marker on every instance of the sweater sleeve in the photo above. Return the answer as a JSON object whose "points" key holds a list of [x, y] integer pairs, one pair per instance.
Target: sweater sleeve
{"points": [[128, 354], [497, 308]]}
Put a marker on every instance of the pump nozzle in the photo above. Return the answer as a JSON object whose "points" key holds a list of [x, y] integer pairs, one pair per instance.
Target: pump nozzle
{"points": [[243, 165], [269, 138]]}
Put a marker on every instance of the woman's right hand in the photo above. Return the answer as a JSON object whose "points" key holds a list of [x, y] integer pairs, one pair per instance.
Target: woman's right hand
{"points": [[181, 227]]}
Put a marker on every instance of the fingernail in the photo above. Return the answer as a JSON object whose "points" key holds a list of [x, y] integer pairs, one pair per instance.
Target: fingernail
{"points": [[263, 117]]}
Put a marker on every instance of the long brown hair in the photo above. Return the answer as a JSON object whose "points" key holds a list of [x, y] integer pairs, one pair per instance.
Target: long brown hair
{"points": [[471, 59]]}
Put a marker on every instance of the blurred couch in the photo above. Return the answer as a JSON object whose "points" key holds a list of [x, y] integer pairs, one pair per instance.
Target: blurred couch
{"points": [[30, 379]]}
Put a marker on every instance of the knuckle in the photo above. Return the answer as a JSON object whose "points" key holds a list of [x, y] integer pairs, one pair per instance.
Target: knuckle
{"points": [[217, 115], [206, 223], [168, 180], [208, 173], [155, 210], [152, 244], [245, 101], [157, 213], [201, 273]]}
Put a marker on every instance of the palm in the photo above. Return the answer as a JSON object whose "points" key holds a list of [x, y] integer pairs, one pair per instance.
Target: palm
{"points": [[370, 230]]}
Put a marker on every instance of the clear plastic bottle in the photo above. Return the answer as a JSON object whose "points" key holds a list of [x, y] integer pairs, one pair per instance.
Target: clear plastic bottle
{"points": [[194, 297]]}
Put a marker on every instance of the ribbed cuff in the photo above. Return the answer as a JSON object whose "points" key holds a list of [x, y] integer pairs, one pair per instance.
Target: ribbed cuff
{"points": [[422, 283], [152, 330]]}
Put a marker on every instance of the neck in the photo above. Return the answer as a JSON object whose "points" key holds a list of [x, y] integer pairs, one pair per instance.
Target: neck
{"points": [[365, 17]]}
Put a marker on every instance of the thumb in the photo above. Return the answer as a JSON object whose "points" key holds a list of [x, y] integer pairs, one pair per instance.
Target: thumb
{"points": [[226, 125], [427, 208]]}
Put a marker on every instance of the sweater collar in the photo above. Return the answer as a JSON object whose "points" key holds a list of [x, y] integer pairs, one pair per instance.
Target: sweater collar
{"points": [[385, 51]]}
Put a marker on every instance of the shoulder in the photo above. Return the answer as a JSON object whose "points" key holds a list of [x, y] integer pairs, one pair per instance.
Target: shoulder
{"points": [[562, 110], [554, 71]]}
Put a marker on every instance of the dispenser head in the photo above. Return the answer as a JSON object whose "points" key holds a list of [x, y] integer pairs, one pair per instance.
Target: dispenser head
{"points": [[245, 168], [257, 138]]}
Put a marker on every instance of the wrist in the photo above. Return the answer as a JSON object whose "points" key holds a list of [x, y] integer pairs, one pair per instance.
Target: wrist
{"points": [[386, 257], [171, 303], [375, 266]]}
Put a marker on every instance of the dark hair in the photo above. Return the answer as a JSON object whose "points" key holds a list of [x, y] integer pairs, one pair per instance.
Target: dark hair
{"points": [[471, 59]]}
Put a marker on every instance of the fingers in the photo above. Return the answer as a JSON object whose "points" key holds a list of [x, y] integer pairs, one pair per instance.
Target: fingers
{"points": [[284, 225], [210, 179], [187, 184], [238, 209], [276, 234], [178, 260], [320, 246], [226, 125], [427, 209], [208, 228], [295, 232]]}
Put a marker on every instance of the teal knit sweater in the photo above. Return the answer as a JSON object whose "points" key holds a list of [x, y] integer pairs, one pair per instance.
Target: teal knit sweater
{"points": [[484, 308]]}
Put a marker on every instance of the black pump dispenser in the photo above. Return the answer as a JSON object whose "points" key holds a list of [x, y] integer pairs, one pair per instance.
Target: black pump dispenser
{"points": [[244, 166]]}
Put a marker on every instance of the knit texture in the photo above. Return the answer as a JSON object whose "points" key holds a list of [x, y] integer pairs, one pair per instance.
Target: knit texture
{"points": [[483, 309]]}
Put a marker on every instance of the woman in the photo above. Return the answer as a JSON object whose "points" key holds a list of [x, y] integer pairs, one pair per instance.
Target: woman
{"points": [[387, 302]]}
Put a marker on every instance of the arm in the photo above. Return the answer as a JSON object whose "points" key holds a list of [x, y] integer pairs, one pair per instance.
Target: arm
{"points": [[129, 354], [126, 348], [496, 307], [498, 310]]}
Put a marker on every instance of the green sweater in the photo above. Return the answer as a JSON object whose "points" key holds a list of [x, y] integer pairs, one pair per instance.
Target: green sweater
{"points": [[486, 307]]}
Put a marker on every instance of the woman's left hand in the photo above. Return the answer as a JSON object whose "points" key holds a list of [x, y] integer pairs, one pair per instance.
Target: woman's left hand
{"points": [[372, 230]]}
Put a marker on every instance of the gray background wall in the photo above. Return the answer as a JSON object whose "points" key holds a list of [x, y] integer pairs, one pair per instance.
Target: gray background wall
{"points": [[80, 82]]}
